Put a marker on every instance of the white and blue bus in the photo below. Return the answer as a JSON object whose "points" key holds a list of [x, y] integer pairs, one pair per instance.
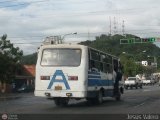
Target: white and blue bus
{"points": [[66, 71]]}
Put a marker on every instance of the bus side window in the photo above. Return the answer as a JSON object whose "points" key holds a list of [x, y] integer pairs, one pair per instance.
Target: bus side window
{"points": [[92, 66], [101, 66], [92, 62], [97, 65], [102, 62], [108, 68], [95, 55]]}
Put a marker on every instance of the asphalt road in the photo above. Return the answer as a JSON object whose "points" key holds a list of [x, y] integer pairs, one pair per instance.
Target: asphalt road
{"points": [[135, 101]]}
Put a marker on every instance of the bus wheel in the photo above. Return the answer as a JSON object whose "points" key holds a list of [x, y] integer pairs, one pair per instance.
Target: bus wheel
{"points": [[136, 86], [99, 98], [121, 90], [118, 96], [61, 101]]}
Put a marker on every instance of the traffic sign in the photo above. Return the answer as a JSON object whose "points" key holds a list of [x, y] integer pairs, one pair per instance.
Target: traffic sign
{"points": [[127, 41], [148, 40], [158, 40], [139, 40]]}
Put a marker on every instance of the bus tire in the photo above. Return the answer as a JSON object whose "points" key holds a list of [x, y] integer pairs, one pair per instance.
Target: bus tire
{"points": [[99, 98], [121, 90], [136, 86], [118, 96]]}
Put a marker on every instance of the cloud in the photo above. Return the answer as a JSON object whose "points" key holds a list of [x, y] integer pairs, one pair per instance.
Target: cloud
{"points": [[36, 20]]}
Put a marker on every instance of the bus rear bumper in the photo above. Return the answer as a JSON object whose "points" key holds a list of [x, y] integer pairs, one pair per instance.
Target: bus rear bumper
{"points": [[54, 94]]}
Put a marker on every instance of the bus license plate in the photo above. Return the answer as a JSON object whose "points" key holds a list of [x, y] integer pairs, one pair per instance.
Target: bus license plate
{"points": [[58, 87]]}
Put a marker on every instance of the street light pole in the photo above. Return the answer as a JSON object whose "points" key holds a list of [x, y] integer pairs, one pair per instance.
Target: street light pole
{"points": [[62, 39]]}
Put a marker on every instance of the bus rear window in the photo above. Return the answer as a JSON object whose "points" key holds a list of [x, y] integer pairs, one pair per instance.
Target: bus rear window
{"points": [[61, 57]]}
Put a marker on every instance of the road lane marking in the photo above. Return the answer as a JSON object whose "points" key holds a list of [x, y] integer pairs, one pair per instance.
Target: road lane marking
{"points": [[146, 90], [139, 105]]}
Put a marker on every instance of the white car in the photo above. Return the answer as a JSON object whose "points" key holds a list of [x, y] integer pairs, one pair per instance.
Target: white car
{"points": [[133, 82], [148, 81]]}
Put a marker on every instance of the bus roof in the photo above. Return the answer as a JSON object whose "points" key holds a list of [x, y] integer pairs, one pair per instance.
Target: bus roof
{"points": [[74, 46]]}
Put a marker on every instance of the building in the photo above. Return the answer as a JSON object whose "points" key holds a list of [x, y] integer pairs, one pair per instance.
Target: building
{"points": [[25, 75]]}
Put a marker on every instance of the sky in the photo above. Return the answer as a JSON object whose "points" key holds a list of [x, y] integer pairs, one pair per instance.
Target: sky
{"points": [[28, 22]]}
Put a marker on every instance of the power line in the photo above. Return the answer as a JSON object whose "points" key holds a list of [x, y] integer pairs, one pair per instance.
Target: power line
{"points": [[79, 14], [8, 1], [79, 41], [145, 32], [21, 4], [28, 43], [38, 36], [84, 34], [81, 34]]}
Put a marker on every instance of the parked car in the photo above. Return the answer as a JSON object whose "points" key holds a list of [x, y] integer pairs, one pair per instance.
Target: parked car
{"points": [[148, 81], [133, 82], [25, 88]]}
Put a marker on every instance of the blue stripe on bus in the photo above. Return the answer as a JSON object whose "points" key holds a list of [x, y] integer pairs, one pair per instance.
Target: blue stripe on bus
{"points": [[95, 73], [94, 76], [100, 82]]}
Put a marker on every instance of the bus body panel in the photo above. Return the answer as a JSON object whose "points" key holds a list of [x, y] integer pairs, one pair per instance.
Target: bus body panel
{"points": [[98, 81], [59, 76], [90, 80]]}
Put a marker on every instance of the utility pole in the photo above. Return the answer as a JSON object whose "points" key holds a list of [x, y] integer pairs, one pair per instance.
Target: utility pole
{"points": [[155, 62], [88, 35], [123, 27], [110, 26], [115, 26]]}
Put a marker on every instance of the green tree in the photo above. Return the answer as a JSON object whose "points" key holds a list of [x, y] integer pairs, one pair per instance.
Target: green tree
{"points": [[131, 67], [29, 59], [111, 44], [9, 59]]}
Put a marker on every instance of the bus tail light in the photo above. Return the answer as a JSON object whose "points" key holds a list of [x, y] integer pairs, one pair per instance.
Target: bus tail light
{"points": [[45, 78], [72, 77]]}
